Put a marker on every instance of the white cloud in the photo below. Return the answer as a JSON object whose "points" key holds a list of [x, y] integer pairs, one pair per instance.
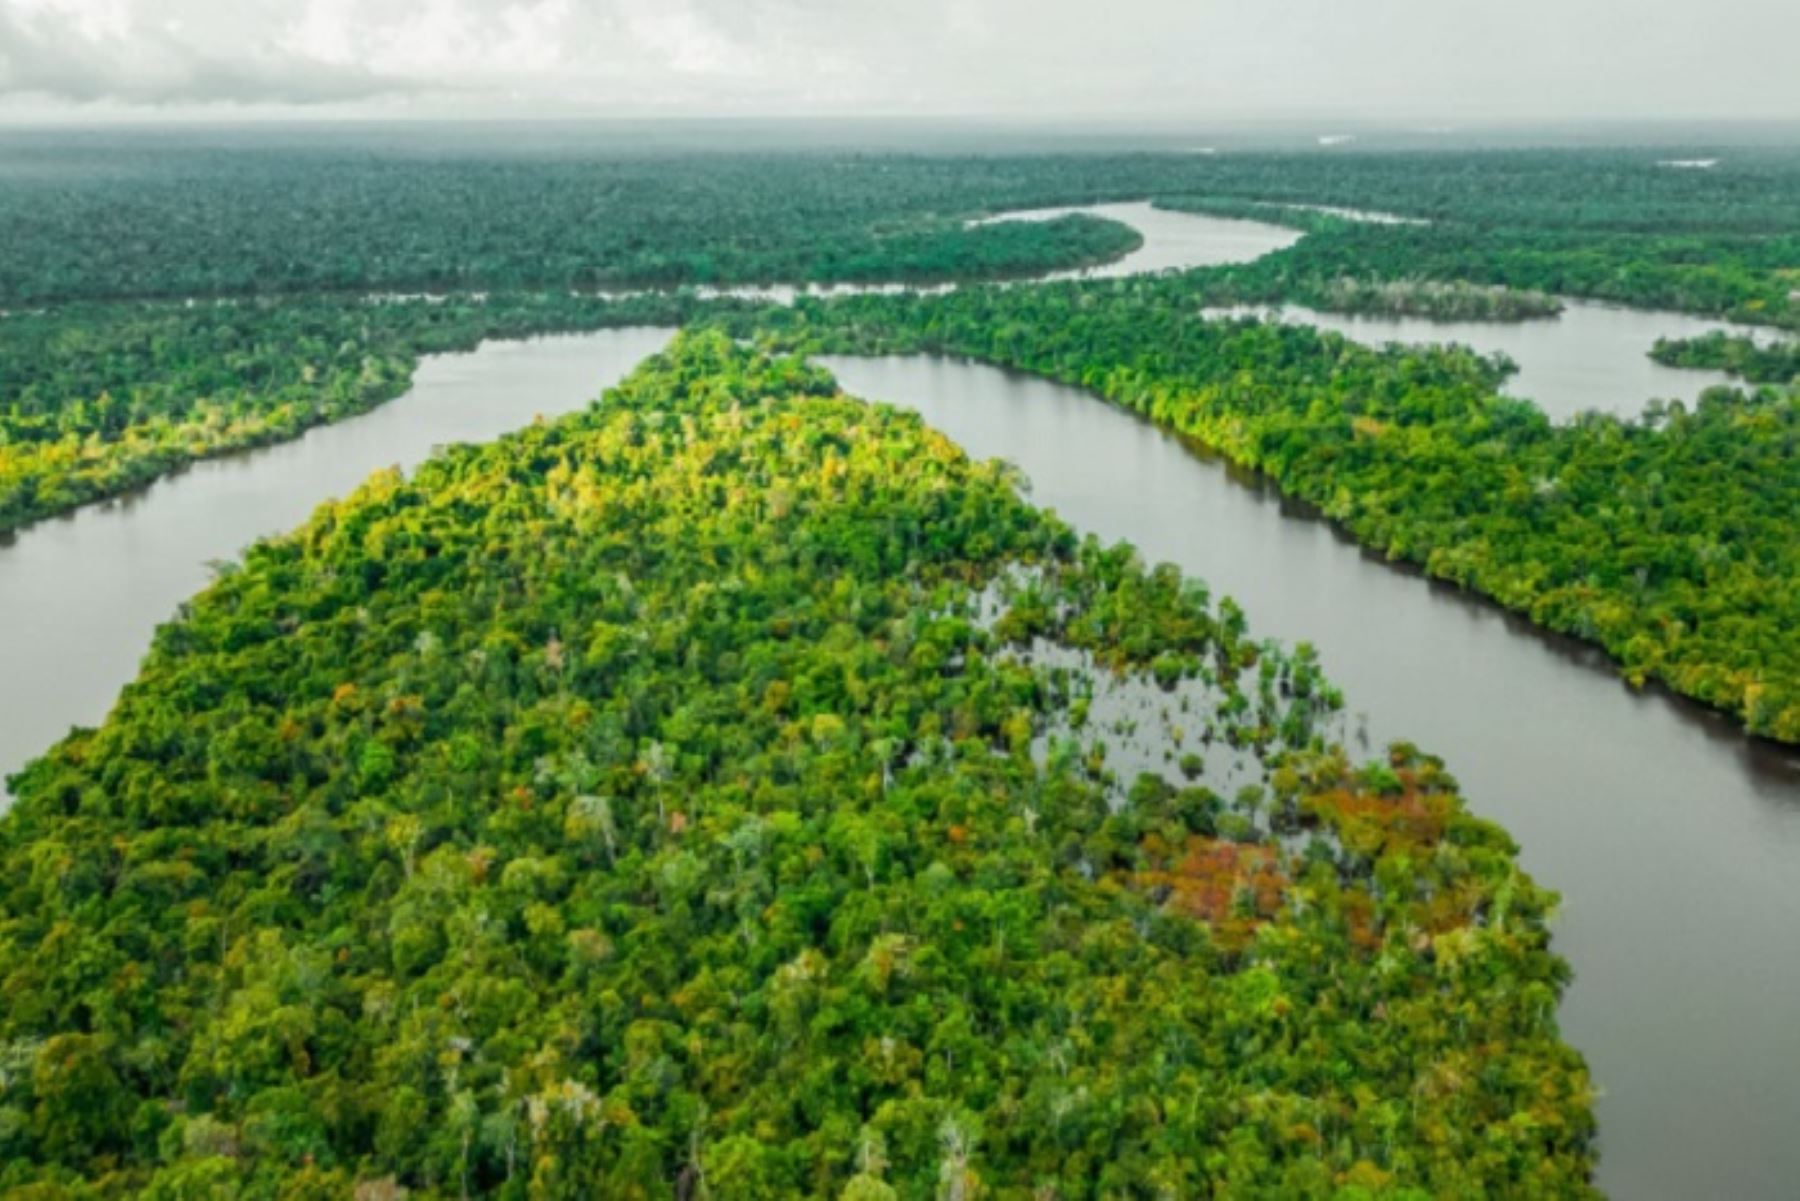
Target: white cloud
{"points": [[91, 19], [685, 40], [324, 31], [86, 50], [440, 44], [1425, 59]]}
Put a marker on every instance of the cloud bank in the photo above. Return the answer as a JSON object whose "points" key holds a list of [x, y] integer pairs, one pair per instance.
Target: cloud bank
{"points": [[1422, 58]]}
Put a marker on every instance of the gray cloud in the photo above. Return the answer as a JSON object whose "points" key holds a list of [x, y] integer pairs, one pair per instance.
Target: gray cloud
{"points": [[1426, 59], [50, 55]]}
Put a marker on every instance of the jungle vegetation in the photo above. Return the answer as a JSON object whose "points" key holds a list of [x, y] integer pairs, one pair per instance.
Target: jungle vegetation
{"points": [[188, 215], [96, 399], [1668, 540], [1754, 362], [126, 220], [705, 795], [1601, 225]]}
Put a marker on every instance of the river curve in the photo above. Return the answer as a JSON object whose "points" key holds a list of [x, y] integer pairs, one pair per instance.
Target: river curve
{"points": [[1672, 839]]}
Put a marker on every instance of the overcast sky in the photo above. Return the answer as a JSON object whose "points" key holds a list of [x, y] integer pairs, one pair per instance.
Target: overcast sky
{"points": [[1416, 60]]}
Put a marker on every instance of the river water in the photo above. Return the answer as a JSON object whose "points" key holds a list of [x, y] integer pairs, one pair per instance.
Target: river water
{"points": [[1172, 240], [1590, 357], [1674, 842], [81, 594]]}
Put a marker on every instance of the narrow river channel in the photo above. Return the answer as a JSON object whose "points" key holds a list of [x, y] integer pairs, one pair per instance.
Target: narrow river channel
{"points": [[81, 594], [1675, 843]]}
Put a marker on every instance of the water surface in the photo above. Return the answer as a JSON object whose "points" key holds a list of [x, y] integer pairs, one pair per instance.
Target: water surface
{"points": [[81, 594], [1592, 356], [1172, 241], [1674, 841], [1364, 216]]}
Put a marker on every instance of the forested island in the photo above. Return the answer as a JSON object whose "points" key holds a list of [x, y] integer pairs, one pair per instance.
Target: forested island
{"points": [[703, 788], [1603, 224]]}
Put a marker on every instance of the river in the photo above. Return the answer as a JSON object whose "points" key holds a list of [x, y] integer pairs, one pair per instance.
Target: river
{"points": [[1172, 240], [80, 594], [1674, 842], [1589, 357]]}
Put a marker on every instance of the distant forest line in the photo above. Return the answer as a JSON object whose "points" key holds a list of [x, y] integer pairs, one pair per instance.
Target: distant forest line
{"points": [[187, 218]]}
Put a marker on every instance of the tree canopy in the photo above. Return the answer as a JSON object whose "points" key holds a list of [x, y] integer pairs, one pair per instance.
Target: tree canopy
{"points": [[730, 791], [1667, 540]]}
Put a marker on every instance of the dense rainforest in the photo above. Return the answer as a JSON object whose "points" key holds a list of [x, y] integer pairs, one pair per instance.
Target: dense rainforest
{"points": [[96, 399], [1506, 266], [1691, 584], [1668, 540], [98, 216], [723, 792], [178, 221]]}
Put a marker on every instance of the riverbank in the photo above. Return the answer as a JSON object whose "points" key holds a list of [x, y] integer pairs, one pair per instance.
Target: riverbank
{"points": [[1671, 838]]}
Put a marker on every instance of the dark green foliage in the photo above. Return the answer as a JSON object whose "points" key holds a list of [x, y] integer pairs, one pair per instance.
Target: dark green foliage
{"points": [[1669, 541], [1606, 224], [1756, 363], [184, 215], [666, 802], [97, 399], [180, 218]]}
